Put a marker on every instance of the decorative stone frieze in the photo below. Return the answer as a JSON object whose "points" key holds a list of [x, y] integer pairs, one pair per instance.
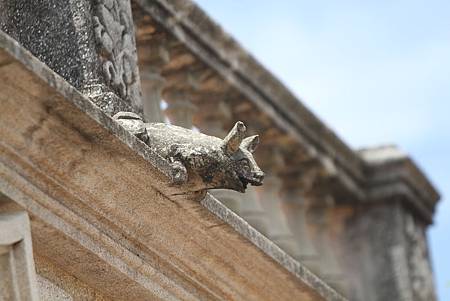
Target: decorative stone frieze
{"points": [[113, 27], [89, 43]]}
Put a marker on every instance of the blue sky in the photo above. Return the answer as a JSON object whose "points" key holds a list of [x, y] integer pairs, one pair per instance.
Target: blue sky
{"points": [[376, 72]]}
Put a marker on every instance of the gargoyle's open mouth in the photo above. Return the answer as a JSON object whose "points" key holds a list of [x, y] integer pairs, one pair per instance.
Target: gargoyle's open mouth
{"points": [[255, 181]]}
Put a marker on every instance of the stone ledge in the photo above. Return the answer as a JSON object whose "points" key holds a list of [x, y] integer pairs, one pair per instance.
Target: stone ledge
{"points": [[392, 173], [103, 208]]}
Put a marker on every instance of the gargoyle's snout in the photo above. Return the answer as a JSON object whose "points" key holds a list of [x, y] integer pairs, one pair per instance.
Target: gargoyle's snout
{"points": [[258, 178], [255, 178]]}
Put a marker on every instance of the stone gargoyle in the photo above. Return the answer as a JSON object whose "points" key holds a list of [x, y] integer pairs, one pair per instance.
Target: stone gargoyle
{"points": [[208, 160]]}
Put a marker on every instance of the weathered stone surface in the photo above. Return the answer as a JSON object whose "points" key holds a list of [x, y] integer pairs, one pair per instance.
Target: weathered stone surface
{"points": [[269, 248], [94, 191], [393, 224], [50, 292], [56, 284], [89, 43], [382, 251], [418, 259]]}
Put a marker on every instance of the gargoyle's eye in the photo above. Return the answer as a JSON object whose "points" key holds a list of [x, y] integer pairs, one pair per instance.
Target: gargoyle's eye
{"points": [[244, 161], [244, 164]]}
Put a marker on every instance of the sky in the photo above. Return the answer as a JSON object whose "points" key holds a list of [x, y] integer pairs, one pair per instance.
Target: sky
{"points": [[377, 72]]}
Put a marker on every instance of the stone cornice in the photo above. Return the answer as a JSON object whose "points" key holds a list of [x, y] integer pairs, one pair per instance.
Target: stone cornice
{"points": [[101, 201], [391, 174]]}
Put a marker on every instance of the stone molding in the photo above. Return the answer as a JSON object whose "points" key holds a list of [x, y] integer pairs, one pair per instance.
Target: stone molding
{"points": [[392, 174]]}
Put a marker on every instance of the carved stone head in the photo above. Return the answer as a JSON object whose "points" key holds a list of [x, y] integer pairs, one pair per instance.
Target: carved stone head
{"points": [[205, 162], [241, 168]]}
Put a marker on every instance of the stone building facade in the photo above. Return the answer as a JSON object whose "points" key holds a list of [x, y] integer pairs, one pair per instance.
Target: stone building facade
{"points": [[96, 205]]}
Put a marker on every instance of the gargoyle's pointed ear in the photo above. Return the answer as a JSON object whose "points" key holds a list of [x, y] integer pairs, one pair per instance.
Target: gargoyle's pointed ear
{"points": [[250, 143], [234, 138]]}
